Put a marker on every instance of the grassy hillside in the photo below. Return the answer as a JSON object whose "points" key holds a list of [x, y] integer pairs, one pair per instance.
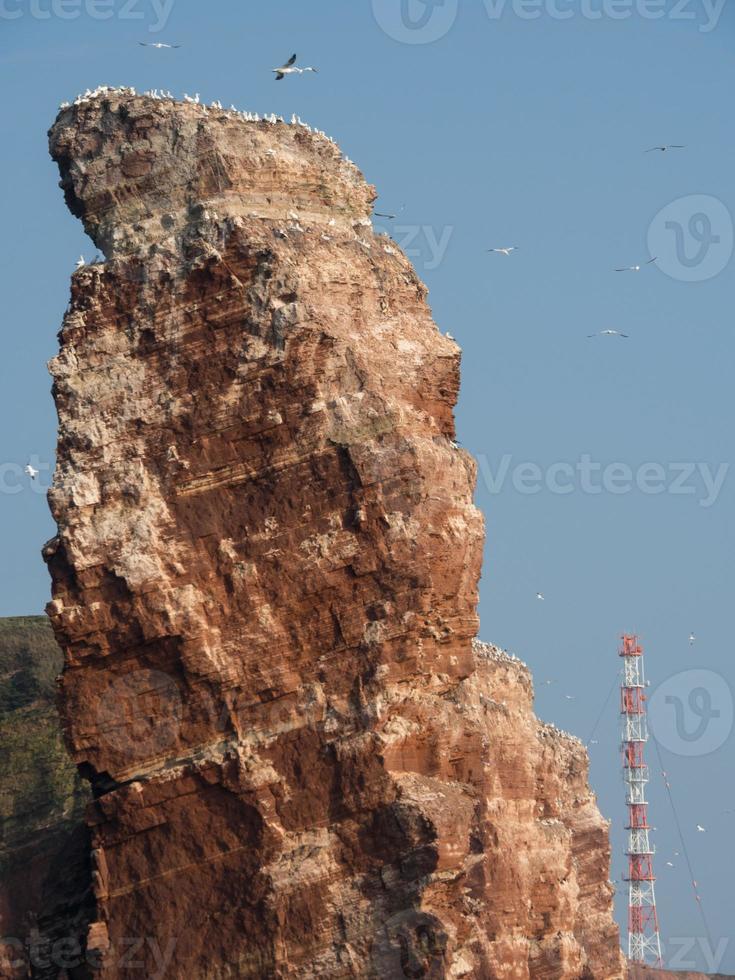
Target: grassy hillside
{"points": [[39, 786]]}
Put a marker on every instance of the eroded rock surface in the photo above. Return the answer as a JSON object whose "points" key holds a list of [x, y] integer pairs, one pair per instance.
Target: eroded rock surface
{"points": [[265, 584]]}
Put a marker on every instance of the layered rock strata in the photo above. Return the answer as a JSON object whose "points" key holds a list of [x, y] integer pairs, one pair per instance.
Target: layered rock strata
{"points": [[265, 585]]}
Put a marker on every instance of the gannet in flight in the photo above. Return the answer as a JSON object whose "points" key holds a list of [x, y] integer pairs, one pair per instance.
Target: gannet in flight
{"points": [[80, 262], [290, 68], [608, 333], [701, 829], [31, 471], [692, 638], [157, 44], [505, 251], [540, 595], [570, 697], [669, 146], [383, 214], [669, 864], [636, 268]]}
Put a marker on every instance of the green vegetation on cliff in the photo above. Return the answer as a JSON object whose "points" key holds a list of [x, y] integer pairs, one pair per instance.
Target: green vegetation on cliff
{"points": [[39, 786]]}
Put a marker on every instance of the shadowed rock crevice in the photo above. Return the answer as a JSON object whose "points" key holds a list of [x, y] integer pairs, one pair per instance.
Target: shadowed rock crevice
{"points": [[265, 585]]}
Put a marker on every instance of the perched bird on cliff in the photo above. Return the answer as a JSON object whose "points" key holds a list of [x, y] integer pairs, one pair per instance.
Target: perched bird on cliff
{"points": [[157, 44], [607, 333], [505, 251], [31, 471], [80, 262], [636, 268], [290, 68], [669, 146]]}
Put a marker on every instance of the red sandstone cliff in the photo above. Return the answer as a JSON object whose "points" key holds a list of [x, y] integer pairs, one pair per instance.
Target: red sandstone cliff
{"points": [[264, 582]]}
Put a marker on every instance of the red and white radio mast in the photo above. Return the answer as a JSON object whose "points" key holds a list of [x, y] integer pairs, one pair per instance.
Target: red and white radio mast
{"points": [[644, 942]]}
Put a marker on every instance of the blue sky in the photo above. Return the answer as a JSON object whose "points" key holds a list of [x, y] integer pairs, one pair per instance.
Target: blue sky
{"points": [[494, 124]]}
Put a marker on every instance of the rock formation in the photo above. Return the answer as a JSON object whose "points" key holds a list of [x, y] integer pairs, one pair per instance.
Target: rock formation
{"points": [[265, 586]]}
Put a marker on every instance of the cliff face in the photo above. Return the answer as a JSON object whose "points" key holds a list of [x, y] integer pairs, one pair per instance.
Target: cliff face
{"points": [[265, 584]]}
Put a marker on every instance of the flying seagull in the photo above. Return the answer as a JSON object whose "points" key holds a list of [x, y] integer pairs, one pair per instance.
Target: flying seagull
{"points": [[384, 214], [540, 595], [692, 638], [636, 268], [505, 251], [669, 864], [31, 471], [157, 44], [607, 333], [80, 262], [669, 146], [701, 829], [290, 68], [570, 697]]}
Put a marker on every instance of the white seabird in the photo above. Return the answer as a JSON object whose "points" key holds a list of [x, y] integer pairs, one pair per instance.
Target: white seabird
{"points": [[80, 262], [692, 638], [291, 68], [701, 829], [30, 471], [506, 250], [157, 44], [607, 333], [540, 595], [636, 268]]}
